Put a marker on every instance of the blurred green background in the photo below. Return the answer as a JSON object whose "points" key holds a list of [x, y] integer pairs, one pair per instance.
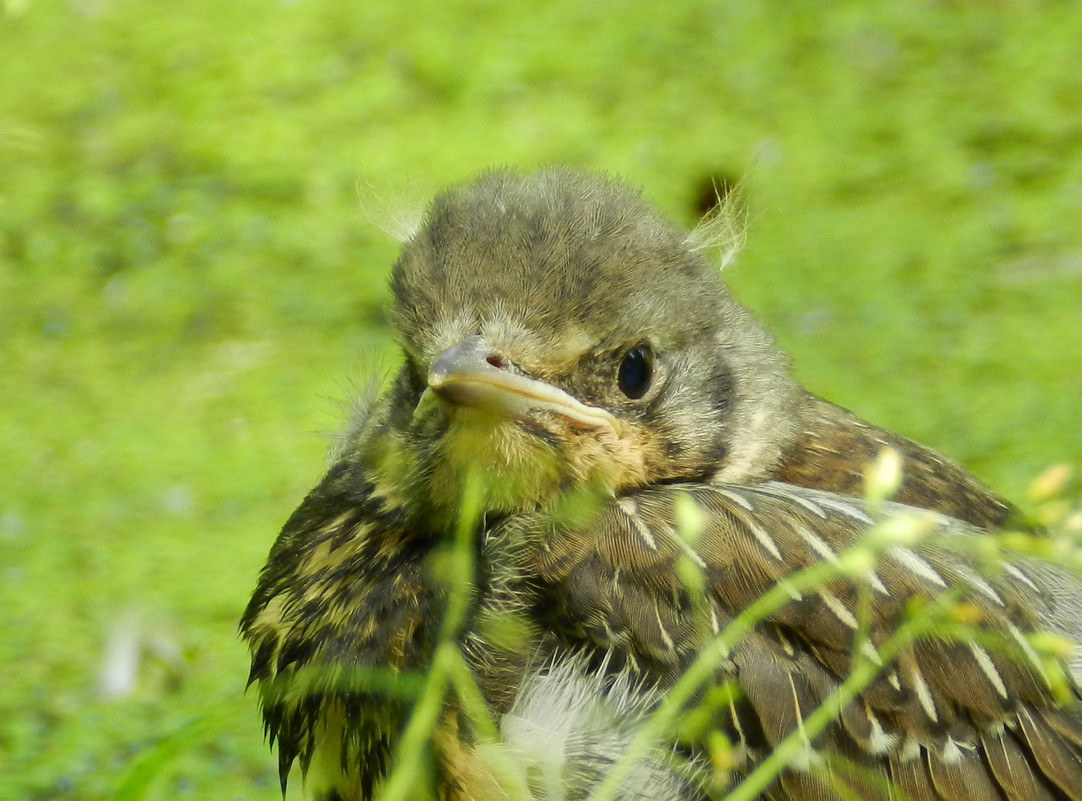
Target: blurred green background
{"points": [[189, 284]]}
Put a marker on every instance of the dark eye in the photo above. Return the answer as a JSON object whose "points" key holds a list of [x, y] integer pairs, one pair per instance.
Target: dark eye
{"points": [[636, 371]]}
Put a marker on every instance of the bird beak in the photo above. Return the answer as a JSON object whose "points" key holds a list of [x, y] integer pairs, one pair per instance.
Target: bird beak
{"points": [[471, 374]]}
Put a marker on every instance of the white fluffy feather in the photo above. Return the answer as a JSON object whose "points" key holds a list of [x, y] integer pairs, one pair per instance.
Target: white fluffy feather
{"points": [[568, 727]]}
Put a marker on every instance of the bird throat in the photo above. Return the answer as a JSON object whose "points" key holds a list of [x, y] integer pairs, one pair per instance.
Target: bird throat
{"points": [[509, 466], [517, 469]]}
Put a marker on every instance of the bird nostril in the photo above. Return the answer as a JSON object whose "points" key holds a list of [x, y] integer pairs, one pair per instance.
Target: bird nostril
{"points": [[496, 361]]}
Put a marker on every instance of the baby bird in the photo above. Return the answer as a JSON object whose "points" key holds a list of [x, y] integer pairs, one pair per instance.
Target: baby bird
{"points": [[577, 385]]}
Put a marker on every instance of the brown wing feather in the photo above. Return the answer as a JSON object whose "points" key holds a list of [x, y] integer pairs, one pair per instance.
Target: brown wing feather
{"points": [[1010, 766], [1059, 760], [927, 719], [962, 775], [910, 776]]}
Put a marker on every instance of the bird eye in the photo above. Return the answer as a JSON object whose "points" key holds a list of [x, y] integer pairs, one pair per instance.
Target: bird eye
{"points": [[636, 371]]}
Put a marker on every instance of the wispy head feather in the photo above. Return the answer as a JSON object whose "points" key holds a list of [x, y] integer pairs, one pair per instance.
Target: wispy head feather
{"points": [[398, 214], [724, 227]]}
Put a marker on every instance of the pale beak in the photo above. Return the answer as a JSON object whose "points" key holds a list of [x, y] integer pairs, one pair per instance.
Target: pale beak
{"points": [[471, 374]]}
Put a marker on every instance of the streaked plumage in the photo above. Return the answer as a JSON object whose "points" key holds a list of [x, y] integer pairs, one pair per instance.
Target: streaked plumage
{"points": [[581, 355]]}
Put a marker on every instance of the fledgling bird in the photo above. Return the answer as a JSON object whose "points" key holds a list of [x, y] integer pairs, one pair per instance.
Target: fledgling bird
{"points": [[574, 365]]}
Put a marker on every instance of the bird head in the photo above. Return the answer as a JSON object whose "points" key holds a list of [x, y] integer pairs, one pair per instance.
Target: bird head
{"points": [[559, 333]]}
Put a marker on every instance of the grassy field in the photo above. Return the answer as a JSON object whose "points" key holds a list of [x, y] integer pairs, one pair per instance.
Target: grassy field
{"points": [[188, 283]]}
